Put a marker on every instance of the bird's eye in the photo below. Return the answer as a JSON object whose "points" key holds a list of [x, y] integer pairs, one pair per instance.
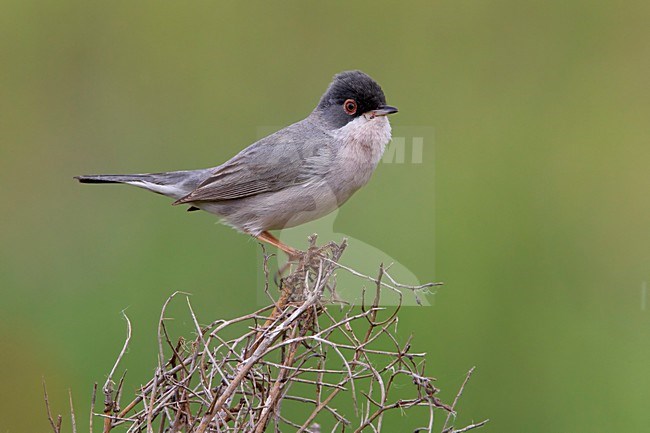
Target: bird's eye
{"points": [[350, 106]]}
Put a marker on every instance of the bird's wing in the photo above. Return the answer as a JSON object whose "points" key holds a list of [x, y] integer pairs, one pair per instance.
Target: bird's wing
{"points": [[291, 156]]}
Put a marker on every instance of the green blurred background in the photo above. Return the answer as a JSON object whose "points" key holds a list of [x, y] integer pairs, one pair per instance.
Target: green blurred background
{"points": [[540, 171]]}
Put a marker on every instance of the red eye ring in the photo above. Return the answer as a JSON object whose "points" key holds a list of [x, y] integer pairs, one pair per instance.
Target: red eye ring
{"points": [[350, 106]]}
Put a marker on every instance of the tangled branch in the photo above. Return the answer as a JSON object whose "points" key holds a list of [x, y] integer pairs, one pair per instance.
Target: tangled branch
{"points": [[294, 365]]}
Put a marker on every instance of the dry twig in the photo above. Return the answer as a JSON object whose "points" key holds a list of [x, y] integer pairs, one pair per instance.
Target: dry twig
{"points": [[293, 366]]}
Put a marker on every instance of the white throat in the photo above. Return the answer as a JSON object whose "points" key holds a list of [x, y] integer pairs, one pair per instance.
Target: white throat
{"points": [[367, 135]]}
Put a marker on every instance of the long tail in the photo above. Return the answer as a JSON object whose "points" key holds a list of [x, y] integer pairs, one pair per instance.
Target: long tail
{"points": [[175, 184], [113, 178]]}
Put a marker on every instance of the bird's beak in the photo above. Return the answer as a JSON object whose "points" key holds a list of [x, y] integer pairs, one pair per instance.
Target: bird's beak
{"points": [[384, 110]]}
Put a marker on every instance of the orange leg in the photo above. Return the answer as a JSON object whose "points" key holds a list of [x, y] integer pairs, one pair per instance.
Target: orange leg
{"points": [[269, 238]]}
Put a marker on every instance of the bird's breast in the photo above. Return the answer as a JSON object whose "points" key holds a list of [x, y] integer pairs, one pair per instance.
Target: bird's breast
{"points": [[362, 144]]}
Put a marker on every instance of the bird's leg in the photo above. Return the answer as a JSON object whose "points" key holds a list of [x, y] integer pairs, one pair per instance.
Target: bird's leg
{"points": [[269, 238], [290, 251]]}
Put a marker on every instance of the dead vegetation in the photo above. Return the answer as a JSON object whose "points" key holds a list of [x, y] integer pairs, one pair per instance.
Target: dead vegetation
{"points": [[296, 365]]}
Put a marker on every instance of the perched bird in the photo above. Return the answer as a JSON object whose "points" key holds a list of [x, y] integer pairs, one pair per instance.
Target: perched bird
{"points": [[293, 176]]}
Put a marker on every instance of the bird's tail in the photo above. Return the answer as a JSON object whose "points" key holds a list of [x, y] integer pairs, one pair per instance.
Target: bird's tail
{"points": [[113, 178], [175, 184]]}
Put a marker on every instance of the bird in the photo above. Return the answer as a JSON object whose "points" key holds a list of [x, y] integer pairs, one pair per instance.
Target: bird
{"points": [[295, 175]]}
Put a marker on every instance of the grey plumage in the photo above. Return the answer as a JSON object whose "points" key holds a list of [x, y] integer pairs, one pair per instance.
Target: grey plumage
{"points": [[295, 175], [174, 184]]}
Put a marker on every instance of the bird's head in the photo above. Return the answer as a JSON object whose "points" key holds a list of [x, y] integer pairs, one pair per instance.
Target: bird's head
{"points": [[352, 94]]}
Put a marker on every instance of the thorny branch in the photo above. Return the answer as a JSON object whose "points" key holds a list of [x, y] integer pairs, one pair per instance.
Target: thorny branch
{"points": [[295, 365]]}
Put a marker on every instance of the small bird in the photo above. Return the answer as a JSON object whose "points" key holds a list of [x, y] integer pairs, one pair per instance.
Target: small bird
{"points": [[293, 176]]}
